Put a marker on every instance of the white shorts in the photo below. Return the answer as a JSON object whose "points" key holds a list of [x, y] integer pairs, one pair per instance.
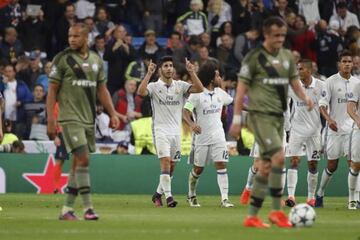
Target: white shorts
{"points": [[205, 154], [312, 146], [254, 152], [337, 146], [355, 145], [168, 146]]}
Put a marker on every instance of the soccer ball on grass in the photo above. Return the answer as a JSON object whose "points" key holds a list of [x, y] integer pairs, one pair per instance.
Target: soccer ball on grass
{"points": [[302, 215]]}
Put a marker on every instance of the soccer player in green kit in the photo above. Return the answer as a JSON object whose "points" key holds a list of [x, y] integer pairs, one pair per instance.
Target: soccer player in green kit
{"points": [[265, 75], [76, 81]]}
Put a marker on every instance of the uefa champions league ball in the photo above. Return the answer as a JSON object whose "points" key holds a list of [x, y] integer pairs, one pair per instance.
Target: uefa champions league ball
{"points": [[302, 215]]}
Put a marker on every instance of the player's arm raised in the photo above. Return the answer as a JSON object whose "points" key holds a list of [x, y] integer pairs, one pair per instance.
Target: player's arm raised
{"points": [[197, 86], [187, 111], [142, 90], [299, 91], [50, 105]]}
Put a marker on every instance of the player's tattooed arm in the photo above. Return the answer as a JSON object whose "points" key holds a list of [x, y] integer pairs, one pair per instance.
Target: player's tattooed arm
{"points": [[142, 90], [197, 85]]}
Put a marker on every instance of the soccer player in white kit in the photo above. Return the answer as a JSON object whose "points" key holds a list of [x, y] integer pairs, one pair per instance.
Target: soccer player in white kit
{"points": [[305, 131], [353, 109], [167, 100], [209, 144], [339, 124]]}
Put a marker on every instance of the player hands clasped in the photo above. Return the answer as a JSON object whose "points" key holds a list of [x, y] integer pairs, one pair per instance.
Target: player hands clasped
{"points": [[76, 80], [265, 75], [209, 144], [167, 97]]}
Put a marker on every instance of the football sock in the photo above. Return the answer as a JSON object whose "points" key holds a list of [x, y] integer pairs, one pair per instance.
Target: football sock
{"points": [[357, 190], [292, 178], [165, 182], [83, 183], [283, 180], [223, 182], [312, 179], [325, 179], [159, 189], [275, 187], [71, 193], [352, 179], [250, 178], [193, 182], [258, 193]]}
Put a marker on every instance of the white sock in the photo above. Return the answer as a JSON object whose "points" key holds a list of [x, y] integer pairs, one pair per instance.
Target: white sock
{"points": [[325, 179], [357, 190], [193, 182], [165, 182], [159, 189], [292, 178], [352, 179], [250, 178], [312, 179], [223, 182], [283, 180]]}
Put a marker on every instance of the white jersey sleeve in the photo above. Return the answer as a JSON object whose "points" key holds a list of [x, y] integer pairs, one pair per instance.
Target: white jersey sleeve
{"points": [[192, 102], [354, 88], [226, 98], [326, 94], [150, 88], [185, 87]]}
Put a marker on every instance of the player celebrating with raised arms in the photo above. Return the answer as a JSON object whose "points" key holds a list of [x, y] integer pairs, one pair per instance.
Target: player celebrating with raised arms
{"points": [[209, 144], [168, 97], [265, 75]]}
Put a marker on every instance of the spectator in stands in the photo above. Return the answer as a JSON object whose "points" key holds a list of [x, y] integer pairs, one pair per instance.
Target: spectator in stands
{"points": [[356, 66], [241, 17], [2, 103], [180, 28], [290, 18], [137, 70], [11, 48], [189, 51], [352, 37], [121, 148], [344, 17], [103, 23], [118, 54], [304, 40], [84, 9], [310, 10], [32, 32], [99, 48], [225, 48], [328, 45], [128, 104], [43, 79], [63, 25], [9, 137], [102, 123], [219, 12], [150, 47], [225, 28], [93, 32], [36, 115], [259, 14], [153, 19], [174, 43], [16, 94], [245, 42], [204, 55], [205, 39], [281, 8], [15, 147], [142, 137], [31, 74], [195, 20], [11, 15]]}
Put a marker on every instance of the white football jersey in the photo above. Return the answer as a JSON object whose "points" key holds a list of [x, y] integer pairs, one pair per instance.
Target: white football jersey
{"points": [[207, 108], [354, 96], [306, 123], [334, 96], [167, 102]]}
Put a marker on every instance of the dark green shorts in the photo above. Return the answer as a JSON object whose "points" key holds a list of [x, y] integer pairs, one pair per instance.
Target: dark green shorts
{"points": [[77, 135], [268, 132]]}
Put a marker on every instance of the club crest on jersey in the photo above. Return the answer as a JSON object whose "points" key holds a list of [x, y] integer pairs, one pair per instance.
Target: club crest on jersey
{"points": [[177, 91], [86, 67], [244, 70], [95, 67], [286, 64], [323, 93], [53, 71]]}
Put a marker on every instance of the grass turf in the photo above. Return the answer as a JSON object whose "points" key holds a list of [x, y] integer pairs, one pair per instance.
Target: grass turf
{"points": [[31, 216]]}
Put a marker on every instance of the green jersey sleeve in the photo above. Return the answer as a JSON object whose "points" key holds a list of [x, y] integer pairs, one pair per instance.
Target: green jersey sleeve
{"points": [[101, 77], [247, 71], [57, 72], [293, 73]]}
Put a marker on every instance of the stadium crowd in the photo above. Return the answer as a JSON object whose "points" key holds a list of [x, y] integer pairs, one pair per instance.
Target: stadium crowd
{"points": [[127, 35]]}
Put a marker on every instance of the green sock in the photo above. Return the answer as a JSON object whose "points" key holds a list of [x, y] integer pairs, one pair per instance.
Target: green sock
{"points": [[71, 192], [275, 186], [83, 182], [258, 193]]}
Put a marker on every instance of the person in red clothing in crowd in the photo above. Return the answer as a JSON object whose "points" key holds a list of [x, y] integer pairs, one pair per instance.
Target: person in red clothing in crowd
{"points": [[61, 154], [128, 104], [304, 40]]}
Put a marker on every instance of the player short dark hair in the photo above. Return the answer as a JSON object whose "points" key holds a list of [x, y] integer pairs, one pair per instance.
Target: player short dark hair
{"points": [[345, 53], [307, 62], [84, 29], [274, 20], [206, 72], [165, 59]]}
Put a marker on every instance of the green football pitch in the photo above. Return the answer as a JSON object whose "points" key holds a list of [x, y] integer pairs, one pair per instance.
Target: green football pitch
{"points": [[30, 216]]}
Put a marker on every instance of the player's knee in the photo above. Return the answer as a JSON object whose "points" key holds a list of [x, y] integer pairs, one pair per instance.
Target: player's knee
{"points": [[312, 166], [278, 159], [198, 170], [294, 162], [332, 166], [220, 165], [355, 166]]}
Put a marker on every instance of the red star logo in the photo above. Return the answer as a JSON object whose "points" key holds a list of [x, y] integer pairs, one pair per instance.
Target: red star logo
{"points": [[44, 182]]}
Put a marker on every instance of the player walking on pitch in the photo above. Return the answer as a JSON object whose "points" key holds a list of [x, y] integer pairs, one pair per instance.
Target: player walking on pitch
{"points": [[167, 100], [265, 75], [76, 80], [209, 144]]}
